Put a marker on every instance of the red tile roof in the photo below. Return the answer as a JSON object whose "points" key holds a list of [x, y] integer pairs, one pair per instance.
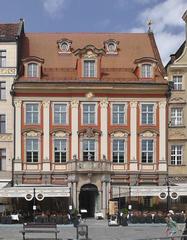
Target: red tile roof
{"points": [[9, 32], [118, 67]]}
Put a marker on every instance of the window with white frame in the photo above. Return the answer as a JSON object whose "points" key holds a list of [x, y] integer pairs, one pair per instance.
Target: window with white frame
{"points": [[177, 82], [32, 150], [2, 90], [89, 68], [2, 58], [147, 154], [176, 154], [32, 70], [89, 149], [176, 116], [89, 113], [147, 115], [2, 158], [60, 113], [118, 151], [118, 113], [60, 150], [146, 70], [32, 113]]}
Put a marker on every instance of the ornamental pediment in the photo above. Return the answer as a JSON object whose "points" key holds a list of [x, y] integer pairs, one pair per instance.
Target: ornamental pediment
{"points": [[60, 132], [119, 133], [89, 51], [32, 132], [177, 100], [89, 132], [148, 133]]}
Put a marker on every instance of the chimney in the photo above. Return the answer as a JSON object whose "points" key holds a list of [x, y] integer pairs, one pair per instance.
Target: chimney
{"points": [[184, 17], [172, 56]]}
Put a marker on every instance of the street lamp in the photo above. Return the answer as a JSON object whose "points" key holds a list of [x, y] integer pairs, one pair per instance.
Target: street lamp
{"points": [[34, 203]]}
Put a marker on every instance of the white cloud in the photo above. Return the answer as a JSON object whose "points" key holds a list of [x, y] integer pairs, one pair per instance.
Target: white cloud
{"points": [[53, 7], [167, 18]]}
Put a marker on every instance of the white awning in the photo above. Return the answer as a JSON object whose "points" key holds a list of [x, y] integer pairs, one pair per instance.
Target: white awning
{"points": [[46, 191]]}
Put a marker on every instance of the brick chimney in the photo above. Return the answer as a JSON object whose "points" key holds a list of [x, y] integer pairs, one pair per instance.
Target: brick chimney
{"points": [[184, 17]]}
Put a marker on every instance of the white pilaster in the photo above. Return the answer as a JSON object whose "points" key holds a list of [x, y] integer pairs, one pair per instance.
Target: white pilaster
{"points": [[104, 196], [133, 136], [74, 128], [162, 136], [46, 105], [104, 128], [18, 104], [75, 194]]}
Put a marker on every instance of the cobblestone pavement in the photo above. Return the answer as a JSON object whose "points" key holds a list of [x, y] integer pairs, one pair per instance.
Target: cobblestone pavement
{"points": [[98, 230]]}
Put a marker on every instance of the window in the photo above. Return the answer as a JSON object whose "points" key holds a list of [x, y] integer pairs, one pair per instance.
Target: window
{"points": [[60, 150], [147, 113], [2, 123], [177, 83], [32, 114], [176, 154], [60, 111], [2, 58], [2, 90], [88, 150], [118, 114], [89, 68], [176, 116], [32, 152], [146, 71], [118, 152], [147, 151], [2, 159], [32, 70], [89, 114]]}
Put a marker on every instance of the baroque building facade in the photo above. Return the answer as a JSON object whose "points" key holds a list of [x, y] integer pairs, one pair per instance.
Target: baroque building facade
{"points": [[10, 35], [177, 133], [90, 119]]}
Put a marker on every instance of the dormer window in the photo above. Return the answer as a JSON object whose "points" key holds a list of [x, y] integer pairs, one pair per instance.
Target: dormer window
{"points": [[146, 71], [32, 67], [111, 46], [89, 68], [64, 45], [32, 70]]}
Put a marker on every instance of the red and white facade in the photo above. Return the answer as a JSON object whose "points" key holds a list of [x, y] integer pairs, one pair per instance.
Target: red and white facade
{"points": [[92, 115]]}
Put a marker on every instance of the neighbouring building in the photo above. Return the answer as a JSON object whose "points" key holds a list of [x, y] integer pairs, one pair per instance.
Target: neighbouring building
{"points": [[10, 35], [177, 123], [91, 120]]}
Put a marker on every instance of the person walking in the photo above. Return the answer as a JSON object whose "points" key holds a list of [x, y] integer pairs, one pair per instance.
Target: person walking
{"points": [[171, 227]]}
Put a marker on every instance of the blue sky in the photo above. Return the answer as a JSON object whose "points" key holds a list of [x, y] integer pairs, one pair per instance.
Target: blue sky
{"points": [[102, 16]]}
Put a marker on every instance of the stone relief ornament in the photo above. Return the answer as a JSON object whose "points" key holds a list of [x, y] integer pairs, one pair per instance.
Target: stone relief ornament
{"points": [[104, 103], [74, 103]]}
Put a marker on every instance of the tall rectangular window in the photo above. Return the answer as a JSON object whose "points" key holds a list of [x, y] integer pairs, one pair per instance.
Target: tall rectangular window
{"points": [[2, 90], [146, 71], [2, 159], [177, 83], [32, 113], [60, 150], [89, 114], [88, 150], [118, 114], [147, 151], [32, 150], [2, 123], [32, 70], [89, 68], [176, 116], [2, 58], [147, 113], [118, 152], [176, 154], [60, 111]]}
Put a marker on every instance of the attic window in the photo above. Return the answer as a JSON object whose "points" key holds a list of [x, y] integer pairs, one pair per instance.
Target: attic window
{"points": [[111, 46], [64, 46], [32, 70], [146, 70]]}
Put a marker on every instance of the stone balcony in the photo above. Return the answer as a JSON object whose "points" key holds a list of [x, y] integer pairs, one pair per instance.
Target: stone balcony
{"points": [[89, 166]]}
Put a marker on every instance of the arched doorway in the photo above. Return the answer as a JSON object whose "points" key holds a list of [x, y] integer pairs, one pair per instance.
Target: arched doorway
{"points": [[88, 199]]}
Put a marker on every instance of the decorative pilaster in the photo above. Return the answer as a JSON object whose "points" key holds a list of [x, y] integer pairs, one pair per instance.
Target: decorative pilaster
{"points": [[17, 166], [162, 136], [74, 127], [133, 135], [104, 128], [46, 144]]}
